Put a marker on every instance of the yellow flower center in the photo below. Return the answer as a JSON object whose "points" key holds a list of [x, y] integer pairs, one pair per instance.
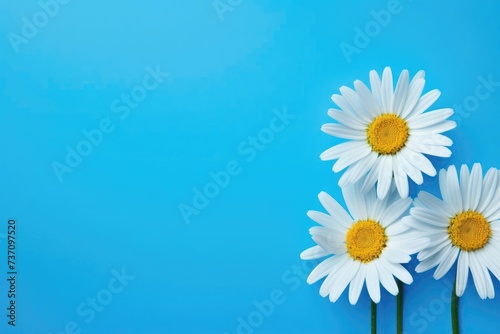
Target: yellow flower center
{"points": [[469, 230], [365, 240], [387, 134]]}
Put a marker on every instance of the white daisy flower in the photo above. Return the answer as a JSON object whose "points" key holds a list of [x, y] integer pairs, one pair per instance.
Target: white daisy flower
{"points": [[464, 225], [368, 245], [388, 131]]}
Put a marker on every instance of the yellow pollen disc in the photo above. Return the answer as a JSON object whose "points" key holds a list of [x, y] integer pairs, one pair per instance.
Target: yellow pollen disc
{"points": [[365, 240], [469, 231], [387, 134]]}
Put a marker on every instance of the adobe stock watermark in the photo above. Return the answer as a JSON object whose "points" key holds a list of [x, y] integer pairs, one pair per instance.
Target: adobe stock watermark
{"points": [[31, 26], [88, 309], [429, 313], [122, 107], [364, 35], [484, 90], [291, 280], [248, 150], [223, 6]]}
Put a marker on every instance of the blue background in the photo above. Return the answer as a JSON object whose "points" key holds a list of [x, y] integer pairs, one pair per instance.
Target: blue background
{"points": [[119, 208]]}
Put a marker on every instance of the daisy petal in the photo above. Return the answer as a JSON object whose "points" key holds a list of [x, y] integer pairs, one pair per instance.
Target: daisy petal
{"points": [[477, 275], [424, 103], [350, 158], [462, 273], [343, 104], [437, 151], [384, 176], [324, 268], [413, 172], [315, 252], [323, 219], [419, 75], [395, 229], [430, 118], [411, 246], [346, 119], [401, 180], [372, 282], [341, 131], [387, 280], [340, 150], [433, 129], [429, 217], [464, 185], [372, 176], [369, 102], [435, 204], [486, 256], [387, 90], [445, 265], [401, 92], [356, 285], [355, 202], [454, 193], [354, 101], [415, 91], [376, 87], [433, 139], [358, 170], [420, 161], [494, 206], [396, 256], [335, 209], [395, 211], [343, 279], [329, 243], [490, 290], [400, 272], [490, 186], [475, 186]]}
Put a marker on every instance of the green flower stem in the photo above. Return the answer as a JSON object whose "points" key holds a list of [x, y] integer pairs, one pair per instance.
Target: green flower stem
{"points": [[374, 318], [454, 310], [399, 324]]}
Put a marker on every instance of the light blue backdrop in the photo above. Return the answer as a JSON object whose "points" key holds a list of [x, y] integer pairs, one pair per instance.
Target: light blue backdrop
{"points": [[178, 91]]}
